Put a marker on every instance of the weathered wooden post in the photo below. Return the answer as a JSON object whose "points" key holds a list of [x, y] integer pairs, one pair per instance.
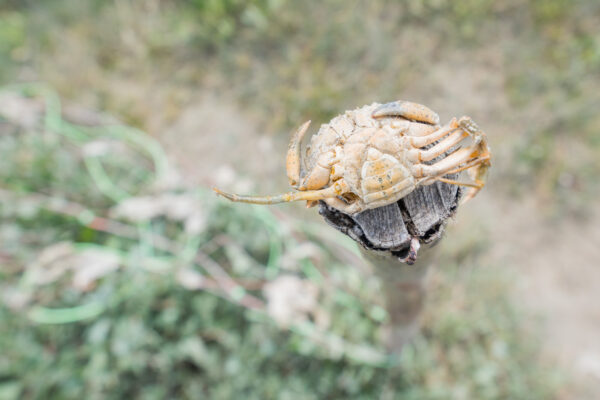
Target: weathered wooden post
{"points": [[399, 240], [404, 293]]}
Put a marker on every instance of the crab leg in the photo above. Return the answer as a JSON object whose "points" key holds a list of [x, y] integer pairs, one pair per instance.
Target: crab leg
{"points": [[442, 167], [479, 177], [459, 183], [292, 161], [477, 161], [477, 169], [475, 186], [420, 141], [334, 190], [441, 147]]}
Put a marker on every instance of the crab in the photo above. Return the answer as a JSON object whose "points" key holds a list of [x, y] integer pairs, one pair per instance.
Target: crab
{"points": [[376, 154]]}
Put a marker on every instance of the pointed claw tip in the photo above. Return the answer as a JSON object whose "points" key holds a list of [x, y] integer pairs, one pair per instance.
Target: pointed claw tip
{"points": [[219, 192]]}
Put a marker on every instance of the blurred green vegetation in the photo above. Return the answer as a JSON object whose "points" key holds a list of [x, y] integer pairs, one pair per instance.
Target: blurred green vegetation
{"points": [[98, 295], [12, 37], [135, 330]]}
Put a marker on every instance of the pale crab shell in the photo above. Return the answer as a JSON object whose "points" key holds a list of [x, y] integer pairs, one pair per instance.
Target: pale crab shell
{"points": [[354, 137]]}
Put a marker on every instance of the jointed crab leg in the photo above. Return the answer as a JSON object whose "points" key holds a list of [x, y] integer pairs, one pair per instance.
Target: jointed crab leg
{"points": [[478, 165], [334, 190], [420, 141], [459, 183], [440, 168], [440, 148], [457, 131], [479, 161], [478, 177], [292, 161]]}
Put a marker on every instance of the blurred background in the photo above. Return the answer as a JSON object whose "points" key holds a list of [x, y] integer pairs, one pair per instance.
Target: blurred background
{"points": [[122, 275]]}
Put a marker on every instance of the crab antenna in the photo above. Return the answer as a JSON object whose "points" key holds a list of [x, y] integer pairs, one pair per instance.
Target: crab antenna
{"points": [[322, 194]]}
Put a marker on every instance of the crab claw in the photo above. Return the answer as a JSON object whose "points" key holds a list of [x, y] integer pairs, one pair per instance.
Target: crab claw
{"points": [[407, 109]]}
